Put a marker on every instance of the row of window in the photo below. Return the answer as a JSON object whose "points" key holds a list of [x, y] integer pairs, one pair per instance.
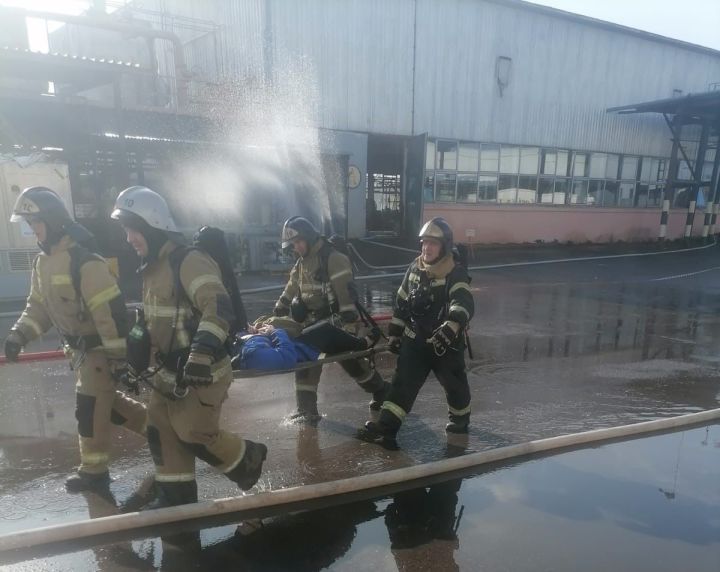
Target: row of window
{"points": [[489, 172], [512, 159]]}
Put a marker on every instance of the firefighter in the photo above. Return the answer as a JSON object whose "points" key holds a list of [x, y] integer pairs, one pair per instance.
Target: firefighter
{"points": [[72, 289], [433, 308], [188, 312], [320, 288]]}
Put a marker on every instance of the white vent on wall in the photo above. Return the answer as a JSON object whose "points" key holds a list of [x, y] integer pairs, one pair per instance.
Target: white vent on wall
{"points": [[21, 260]]}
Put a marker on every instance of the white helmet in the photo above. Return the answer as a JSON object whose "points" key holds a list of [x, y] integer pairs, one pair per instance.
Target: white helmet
{"points": [[141, 202]]}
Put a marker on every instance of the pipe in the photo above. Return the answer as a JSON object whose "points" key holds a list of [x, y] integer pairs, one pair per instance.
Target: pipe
{"points": [[181, 73], [262, 504]]}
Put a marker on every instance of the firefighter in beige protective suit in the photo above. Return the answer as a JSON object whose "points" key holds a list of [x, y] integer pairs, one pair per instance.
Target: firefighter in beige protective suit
{"points": [[188, 312], [72, 289], [321, 288]]}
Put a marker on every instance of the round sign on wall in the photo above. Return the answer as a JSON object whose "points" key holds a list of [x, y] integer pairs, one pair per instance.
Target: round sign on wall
{"points": [[354, 176]]}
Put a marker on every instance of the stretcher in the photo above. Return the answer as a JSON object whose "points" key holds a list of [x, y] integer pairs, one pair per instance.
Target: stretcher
{"points": [[322, 359]]}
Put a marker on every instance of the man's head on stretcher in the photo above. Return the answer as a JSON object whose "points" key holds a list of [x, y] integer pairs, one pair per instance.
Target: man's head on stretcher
{"points": [[280, 343]]}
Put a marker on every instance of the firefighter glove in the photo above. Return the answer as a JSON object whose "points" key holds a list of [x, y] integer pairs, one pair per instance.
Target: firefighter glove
{"points": [[118, 370], [197, 369], [14, 344], [443, 338], [394, 343]]}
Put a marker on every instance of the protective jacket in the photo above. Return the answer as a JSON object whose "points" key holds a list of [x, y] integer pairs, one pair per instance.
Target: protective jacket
{"points": [[95, 320], [431, 294], [323, 281], [186, 307]]}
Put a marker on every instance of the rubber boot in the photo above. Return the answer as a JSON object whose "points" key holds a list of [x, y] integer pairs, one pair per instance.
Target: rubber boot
{"points": [[307, 411], [173, 494], [458, 424], [379, 397], [82, 481], [247, 472], [378, 434]]}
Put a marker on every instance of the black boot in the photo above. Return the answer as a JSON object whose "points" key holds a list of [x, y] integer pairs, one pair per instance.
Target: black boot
{"points": [[247, 472], [82, 481], [173, 494], [458, 424], [375, 432], [379, 397], [307, 411]]}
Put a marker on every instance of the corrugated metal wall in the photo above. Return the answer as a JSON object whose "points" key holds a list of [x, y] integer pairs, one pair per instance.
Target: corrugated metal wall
{"points": [[563, 76], [359, 58]]}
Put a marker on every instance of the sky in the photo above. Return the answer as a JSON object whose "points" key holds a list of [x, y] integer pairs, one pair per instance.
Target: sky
{"points": [[695, 21]]}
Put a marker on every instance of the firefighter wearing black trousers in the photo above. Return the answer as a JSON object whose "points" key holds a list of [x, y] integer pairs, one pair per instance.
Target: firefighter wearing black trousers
{"points": [[433, 308], [321, 288]]}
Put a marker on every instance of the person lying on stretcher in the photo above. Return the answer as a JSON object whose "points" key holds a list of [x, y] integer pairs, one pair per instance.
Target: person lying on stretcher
{"points": [[279, 343]]}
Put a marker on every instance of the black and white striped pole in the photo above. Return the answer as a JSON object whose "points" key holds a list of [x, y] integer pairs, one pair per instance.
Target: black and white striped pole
{"points": [[690, 218], [664, 219], [709, 209]]}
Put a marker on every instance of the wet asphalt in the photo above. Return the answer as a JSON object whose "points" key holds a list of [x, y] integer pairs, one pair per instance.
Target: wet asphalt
{"points": [[558, 349]]}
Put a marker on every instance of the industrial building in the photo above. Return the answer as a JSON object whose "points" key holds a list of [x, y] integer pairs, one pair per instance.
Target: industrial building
{"points": [[517, 123]]}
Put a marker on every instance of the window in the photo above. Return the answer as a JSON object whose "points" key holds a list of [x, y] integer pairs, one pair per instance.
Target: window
{"points": [[629, 168], [598, 165], [626, 194], [545, 190], [562, 190], [548, 164], [581, 164], [446, 155], [529, 159], [527, 187], [684, 173], [707, 171], [594, 194], [509, 159], [646, 169], [468, 157], [611, 172], [648, 195], [507, 189], [489, 157], [563, 163], [579, 195], [445, 187], [430, 155], [655, 195], [610, 194], [467, 187], [487, 187], [429, 187], [641, 195]]}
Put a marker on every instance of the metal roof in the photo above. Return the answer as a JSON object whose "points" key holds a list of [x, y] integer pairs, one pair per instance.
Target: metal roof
{"points": [[596, 22], [705, 105], [27, 64]]}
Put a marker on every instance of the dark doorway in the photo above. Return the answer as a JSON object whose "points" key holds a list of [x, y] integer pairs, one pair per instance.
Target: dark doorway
{"points": [[385, 162]]}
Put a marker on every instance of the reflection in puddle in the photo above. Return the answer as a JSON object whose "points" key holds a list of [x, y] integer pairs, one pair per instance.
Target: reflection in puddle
{"points": [[645, 504]]}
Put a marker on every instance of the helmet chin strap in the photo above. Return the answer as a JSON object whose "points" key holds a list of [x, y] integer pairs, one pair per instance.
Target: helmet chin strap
{"points": [[52, 237]]}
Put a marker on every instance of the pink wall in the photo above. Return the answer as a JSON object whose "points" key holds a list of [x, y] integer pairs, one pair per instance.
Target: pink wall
{"points": [[527, 223]]}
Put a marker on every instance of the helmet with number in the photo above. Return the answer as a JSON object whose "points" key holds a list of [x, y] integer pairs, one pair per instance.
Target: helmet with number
{"points": [[439, 229], [142, 203], [44, 204], [298, 227]]}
